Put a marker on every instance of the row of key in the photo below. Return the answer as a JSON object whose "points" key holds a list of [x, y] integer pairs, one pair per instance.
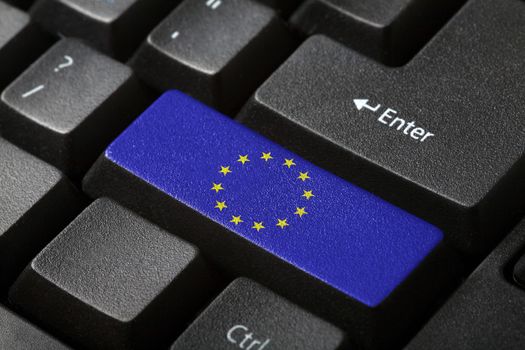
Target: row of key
{"points": [[426, 122]]}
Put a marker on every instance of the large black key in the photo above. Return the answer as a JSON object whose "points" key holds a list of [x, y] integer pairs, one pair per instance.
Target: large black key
{"points": [[440, 137], [113, 26], [389, 31], [217, 51], [69, 105], [20, 43], [36, 202], [113, 280], [18, 334], [248, 316], [487, 311]]}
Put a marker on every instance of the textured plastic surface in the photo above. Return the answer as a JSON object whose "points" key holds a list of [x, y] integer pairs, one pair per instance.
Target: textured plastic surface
{"points": [[467, 178], [346, 237], [245, 308]]}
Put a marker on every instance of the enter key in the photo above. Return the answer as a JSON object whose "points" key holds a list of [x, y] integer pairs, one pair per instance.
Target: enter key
{"points": [[441, 137]]}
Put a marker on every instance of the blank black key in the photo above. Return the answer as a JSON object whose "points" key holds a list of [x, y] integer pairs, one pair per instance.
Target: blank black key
{"points": [[115, 27], [20, 43], [487, 311], [69, 105], [113, 280], [18, 334], [217, 51], [36, 201], [440, 137], [389, 31], [248, 316]]}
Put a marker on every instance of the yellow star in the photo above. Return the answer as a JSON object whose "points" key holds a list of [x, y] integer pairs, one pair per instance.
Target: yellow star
{"points": [[258, 226], [236, 220], [282, 223], [301, 212], [267, 156], [221, 205], [243, 159], [225, 170], [308, 194], [217, 187], [289, 163], [303, 176]]}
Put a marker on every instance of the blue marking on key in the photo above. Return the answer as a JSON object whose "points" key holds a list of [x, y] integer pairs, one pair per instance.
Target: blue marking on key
{"points": [[314, 220]]}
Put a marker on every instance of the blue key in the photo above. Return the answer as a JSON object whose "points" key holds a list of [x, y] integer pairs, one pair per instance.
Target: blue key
{"points": [[259, 209]]}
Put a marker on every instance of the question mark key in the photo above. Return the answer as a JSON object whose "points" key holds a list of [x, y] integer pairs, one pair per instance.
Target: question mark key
{"points": [[67, 106]]}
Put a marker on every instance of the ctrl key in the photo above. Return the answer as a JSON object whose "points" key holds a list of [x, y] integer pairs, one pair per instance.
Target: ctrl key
{"points": [[249, 316], [112, 280]]}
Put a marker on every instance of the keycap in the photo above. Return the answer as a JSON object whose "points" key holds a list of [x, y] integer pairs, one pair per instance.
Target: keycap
{"points": [[260, 211], [388, 31], [115, 27], [68, 106], [439, 137], [249, 316], [23, 4], [20, 43], [17, 334], [217, 51], [486, 312], [113, 280], [36, 201]]}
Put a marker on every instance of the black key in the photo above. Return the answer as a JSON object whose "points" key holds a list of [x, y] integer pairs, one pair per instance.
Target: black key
{"points": [[248, 316], [23, 4], [113, 280], [431, 136], [20, 43], [389, 31], [69, 105], [115, 27], [36, 202], [217, 51], [17, 334], [487, 311]]}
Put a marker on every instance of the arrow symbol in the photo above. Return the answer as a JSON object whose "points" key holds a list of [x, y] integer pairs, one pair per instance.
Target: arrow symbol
{"points": [[361, 103]]}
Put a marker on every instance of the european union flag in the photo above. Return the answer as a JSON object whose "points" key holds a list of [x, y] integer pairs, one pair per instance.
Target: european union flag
{"points": [[314, 220]]}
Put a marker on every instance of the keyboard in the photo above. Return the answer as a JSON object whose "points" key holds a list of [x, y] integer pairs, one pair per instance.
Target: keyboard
{"points": [[262, 174]]}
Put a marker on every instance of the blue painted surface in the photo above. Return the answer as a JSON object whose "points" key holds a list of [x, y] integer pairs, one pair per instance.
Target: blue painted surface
{"points": [[348, 238]]}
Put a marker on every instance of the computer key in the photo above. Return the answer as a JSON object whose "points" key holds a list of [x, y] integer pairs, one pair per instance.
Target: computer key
{"points": [[20, 43], [260, 211], [486, 312], [36, 202], [18, 334], [248, 316], [68, 105], [388, 31], [115, 27], [217, 51], [439, 137], [112, 280]]}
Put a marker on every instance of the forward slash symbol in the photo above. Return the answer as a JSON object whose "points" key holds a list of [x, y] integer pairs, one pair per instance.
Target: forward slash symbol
{"points": [[213, 4], [361, 103], [33, 91], [175, 35]]}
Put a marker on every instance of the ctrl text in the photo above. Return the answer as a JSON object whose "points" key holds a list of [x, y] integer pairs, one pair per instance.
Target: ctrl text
{"points": [[241, 337]]}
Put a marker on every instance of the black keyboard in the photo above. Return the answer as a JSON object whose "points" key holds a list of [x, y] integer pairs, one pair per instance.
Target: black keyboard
{"points": [[262, 174]]}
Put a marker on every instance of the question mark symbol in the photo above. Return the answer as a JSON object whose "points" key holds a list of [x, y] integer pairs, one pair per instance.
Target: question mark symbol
{"points": [[68, 63]]}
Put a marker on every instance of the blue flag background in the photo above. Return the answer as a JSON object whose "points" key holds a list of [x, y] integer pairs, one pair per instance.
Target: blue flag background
{"points": [[322, 224]]}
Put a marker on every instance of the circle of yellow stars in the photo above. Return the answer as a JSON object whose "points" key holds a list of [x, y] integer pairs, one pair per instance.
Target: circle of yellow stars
{"points": [[282, 223]]}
